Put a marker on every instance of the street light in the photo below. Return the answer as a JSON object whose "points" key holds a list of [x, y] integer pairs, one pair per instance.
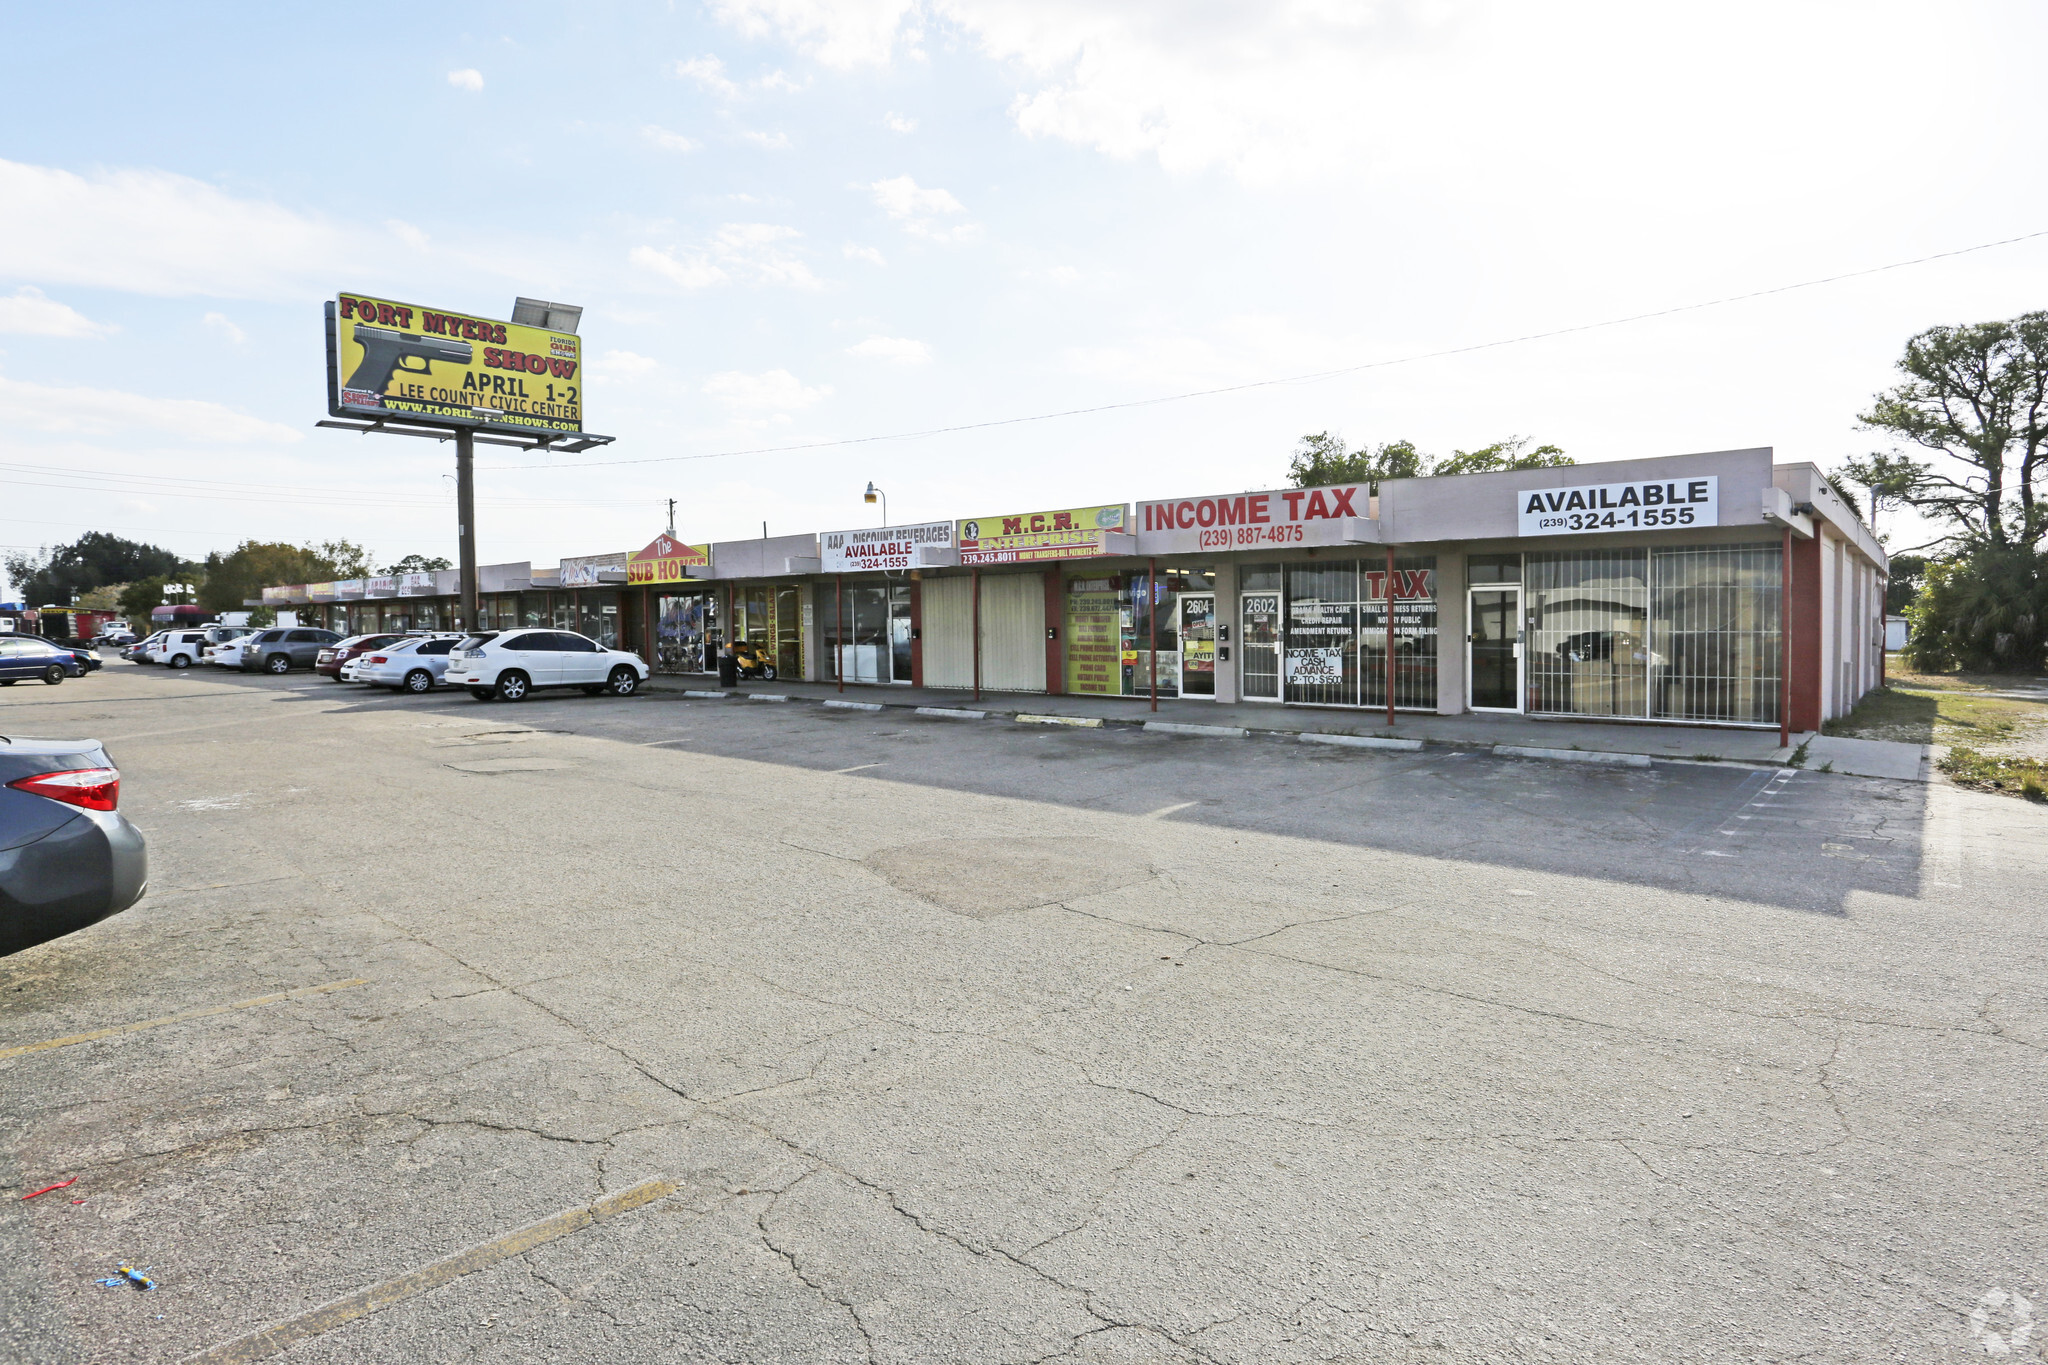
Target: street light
{"points": [[874, 493]]}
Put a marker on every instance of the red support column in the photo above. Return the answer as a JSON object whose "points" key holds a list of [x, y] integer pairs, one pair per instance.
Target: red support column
{"points": [[1803, 637], [977, 634], [1390, 635], [1785, 643]]}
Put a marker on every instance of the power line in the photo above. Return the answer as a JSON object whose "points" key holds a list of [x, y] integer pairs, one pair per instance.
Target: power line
{"points": [[1310, 378]]}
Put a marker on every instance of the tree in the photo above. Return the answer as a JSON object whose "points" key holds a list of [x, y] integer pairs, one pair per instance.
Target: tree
{"points": [[1907, 573], [94, 560], [1887, 479], [243, 573], [104, 598], [1976, 395], [138, 599], [1322, 459], [416, 564], [345, 558], [1985, 610]]}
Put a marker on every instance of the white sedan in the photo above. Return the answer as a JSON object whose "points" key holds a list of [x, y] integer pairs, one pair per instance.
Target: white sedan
{"points": [[229, 653], [410, 665], [510, 664]]}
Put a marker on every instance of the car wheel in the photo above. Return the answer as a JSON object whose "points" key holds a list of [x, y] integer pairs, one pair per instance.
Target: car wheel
{"points": [[278, 663], [180, 661], [419, 680], [513, 685], [482, 693], [54, 674], [624, 682]]}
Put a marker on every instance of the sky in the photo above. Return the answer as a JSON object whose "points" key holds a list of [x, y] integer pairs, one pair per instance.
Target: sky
{"points": [[797, 223]]}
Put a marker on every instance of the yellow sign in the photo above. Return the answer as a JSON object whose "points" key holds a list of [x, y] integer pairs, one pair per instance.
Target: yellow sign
{"points": [[1028, 537], [1094, 636], [667, 560], [399, 360]]}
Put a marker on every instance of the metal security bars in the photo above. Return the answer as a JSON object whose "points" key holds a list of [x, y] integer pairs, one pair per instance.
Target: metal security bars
{"points": [[1336, 633], [1679, 633]]}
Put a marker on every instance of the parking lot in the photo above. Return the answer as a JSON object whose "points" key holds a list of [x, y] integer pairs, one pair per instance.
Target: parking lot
{"points": [[911, 1039]]}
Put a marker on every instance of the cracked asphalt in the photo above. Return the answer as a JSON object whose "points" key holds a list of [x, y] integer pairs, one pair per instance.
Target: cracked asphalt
{"points": [[981, 1042]]}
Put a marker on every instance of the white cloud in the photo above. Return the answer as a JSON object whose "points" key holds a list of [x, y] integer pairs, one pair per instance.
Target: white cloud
{"points": [[625, 365], [667, 141], [778, 82], [219, 323], [745, 253], [836, 33], [775, 392], [92, 412], [895, 350], [774, 142], [27, 312], [917, 210], [862, 253], [899, 123], [708, 72], [469, 78]]}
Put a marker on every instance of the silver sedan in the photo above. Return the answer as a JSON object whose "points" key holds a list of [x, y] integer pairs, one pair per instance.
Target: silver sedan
{"points": [[410, 665]]}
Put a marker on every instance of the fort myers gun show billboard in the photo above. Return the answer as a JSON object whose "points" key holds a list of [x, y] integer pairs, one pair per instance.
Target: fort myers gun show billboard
{"points": [[400, 360]]}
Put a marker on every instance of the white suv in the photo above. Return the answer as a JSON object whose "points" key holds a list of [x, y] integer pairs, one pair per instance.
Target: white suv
{"points": [[179, 648], [508, 664]]}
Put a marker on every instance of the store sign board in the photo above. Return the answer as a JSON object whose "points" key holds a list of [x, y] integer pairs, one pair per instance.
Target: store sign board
{"points": [[1335, 515], [1648, 504], [1034, 537], [1321, 665], [666, 560], [583, 571], [386, 586], [276, 596], [415, 585], [401, 360], [328, 592], [880, 548]]}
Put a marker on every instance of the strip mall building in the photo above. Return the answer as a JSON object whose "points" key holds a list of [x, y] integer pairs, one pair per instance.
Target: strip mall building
{"points": [[1718, 589]]}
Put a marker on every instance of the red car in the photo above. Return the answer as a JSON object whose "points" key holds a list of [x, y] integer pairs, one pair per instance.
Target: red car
{"points": [[340, 652]]}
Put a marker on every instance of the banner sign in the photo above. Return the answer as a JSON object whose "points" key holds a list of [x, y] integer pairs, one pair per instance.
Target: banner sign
{"points": [[1094, 613], [400, 360], [1031, 537], [329, 592], [1619, 506], [1230, 521], [880, 547], [416, 585], [386, 586], [583, 570], [274, 597], [667, 560]]}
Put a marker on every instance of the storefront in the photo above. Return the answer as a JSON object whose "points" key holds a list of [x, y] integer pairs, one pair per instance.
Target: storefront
{"points": [[874, 597], [686, 611]]}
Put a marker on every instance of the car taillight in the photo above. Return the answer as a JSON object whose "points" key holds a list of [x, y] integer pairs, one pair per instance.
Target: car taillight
{"points": [[92, 788], [377, 659]]}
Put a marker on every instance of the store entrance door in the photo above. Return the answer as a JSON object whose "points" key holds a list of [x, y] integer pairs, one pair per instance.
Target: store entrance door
{"points": [[1259, 646], [1494, 649], [1198, 644]]}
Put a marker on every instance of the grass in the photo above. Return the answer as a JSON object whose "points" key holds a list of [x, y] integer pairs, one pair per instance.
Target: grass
{"points": [[1993, 743], [1966, 767]]}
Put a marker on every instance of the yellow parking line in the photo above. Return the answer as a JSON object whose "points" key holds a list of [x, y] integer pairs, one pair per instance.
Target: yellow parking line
{"points": [[181, 1018], [284, 1335]]}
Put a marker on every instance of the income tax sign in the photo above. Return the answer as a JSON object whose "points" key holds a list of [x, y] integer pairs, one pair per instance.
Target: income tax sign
{"points": [[390, 359], [1649, 504]]}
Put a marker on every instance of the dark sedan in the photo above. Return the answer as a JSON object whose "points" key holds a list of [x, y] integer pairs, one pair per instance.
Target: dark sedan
{"points": [[68, 857], [26, 657]]}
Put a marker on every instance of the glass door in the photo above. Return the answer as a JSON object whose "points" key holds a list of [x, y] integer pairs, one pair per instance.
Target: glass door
{"points": [[1259, 646], [1198, 644], [1494, 649]]}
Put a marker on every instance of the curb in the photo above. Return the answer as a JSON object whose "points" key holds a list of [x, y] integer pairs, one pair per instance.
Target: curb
{"points": [[767, 696], [1179, 727], [951, 713], [1079, 722], [1573, 755], [707, 696], [854, 705], [1363, 742]]}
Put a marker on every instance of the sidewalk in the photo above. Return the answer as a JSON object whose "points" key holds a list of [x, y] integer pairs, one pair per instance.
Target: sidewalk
{"points": [[1868, 758]]}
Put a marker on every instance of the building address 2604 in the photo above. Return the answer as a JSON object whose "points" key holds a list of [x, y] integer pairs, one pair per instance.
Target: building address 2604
{"points": [[1651, 503]]}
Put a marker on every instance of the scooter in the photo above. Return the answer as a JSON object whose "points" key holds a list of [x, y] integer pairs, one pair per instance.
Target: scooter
{"points": [[754, 661]]}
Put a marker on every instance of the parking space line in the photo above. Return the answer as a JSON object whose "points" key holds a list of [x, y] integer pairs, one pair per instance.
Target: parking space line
{"points": [[182, 1017], [282, 1336]]}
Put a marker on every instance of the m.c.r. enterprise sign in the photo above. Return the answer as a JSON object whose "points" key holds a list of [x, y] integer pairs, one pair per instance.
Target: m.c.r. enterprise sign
{"points": [[1648, 504]]}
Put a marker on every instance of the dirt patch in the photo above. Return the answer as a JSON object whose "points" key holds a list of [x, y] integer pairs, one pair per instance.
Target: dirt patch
{"points": [[985, 877]]}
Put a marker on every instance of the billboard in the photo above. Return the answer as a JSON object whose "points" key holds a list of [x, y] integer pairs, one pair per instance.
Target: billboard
{"points": [[882, 548], [1618, 506], [1031, 537], [400, 360], [667, 560]]}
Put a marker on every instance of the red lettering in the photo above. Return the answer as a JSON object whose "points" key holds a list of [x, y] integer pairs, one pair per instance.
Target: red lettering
{"points": [[1318, 506], [1063, 521], [1037, 522], [1261, 510], [405, 317], [497, 331], [536, 364], [1340, 502], [1151, 516], [469, 329], [348, 306], [1293, 505], [1205, 512], [491, 357], [385, 317], [1013, 526], [1414, 582], [1375, 584], [563, 369], [1232, 512], [1184, 515]]}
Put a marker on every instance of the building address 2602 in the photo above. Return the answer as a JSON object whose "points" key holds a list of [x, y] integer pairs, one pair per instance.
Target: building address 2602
{"points": [[1644, 505]]}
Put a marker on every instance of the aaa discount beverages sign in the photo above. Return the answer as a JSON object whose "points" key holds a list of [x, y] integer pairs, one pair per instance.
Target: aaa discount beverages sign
{"points": [[881, 548], [667, 560], [390, 359], [1031, 537]]}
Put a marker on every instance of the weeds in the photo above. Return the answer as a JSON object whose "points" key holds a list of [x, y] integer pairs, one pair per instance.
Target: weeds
{"points": [[2027, 777]]}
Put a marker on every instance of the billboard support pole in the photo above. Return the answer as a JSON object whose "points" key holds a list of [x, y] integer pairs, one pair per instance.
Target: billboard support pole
{"points": [[465, 516]]}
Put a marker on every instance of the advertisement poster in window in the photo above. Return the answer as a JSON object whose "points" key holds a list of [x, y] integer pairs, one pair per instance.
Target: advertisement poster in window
{"points": [[1094, 636]]}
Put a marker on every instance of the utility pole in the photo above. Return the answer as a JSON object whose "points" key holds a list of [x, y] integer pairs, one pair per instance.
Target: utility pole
{"points": [[671, 517], [465, 517]]}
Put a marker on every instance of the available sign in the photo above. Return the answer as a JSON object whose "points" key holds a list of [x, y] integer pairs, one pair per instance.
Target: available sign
{"points": [[401, 360], [1652, 503], [1337, 515], [1031, 537], [667, 560], [878, 548]]}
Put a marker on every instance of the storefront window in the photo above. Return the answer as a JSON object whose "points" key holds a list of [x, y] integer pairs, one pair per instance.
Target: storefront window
{"points": [[1588, 627], [789, 649], [1322, 633], [597, 616], [686, 633], [1336, 633], [1482, 569], [1096, 610], [870, 637]]}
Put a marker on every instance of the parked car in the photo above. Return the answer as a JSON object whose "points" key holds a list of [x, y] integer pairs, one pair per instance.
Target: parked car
{"points": [[138, 653], [179, 648], [509, 664], [25, 656], [284, 648], [68, 857], [330, 660], [228, 653], [89, 659], [116, 633], [415, 664]]}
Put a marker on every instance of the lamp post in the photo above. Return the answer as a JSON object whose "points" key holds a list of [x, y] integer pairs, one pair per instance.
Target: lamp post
{"points": [[873, 493]]}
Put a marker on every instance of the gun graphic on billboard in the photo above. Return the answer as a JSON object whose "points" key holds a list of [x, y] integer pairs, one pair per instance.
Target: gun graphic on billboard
{"points": [[385, 352]]}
